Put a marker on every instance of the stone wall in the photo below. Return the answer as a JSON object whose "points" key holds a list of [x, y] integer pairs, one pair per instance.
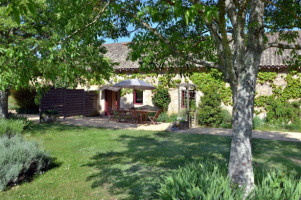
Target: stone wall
{"points": [[126, 101]]}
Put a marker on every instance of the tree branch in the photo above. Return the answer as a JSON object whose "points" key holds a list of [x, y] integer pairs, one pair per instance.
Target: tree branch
{"points": [[284, 46], [284, 9], [87, 25], [172, 47]]}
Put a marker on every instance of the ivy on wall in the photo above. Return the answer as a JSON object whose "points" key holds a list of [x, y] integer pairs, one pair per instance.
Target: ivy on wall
{"points": [[212, 78], [279, 93]]}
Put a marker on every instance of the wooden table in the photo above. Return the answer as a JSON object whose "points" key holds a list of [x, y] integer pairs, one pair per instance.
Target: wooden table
{"points": [[122, 115], [143, 115]]}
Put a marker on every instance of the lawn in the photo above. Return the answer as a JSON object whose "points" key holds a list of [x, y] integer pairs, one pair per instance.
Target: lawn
{"points": [[95, 163]]}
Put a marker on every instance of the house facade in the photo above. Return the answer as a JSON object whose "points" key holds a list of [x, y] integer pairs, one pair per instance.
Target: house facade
{"points": [[273, 75]]}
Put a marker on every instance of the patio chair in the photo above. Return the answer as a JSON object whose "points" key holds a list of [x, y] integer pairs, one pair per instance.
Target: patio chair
{"points": [[153, 120], [112, 115], [134, 116]]}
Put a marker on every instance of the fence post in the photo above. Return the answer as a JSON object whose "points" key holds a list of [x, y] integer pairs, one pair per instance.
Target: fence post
{"points": [[64, 104], [84, 104]]}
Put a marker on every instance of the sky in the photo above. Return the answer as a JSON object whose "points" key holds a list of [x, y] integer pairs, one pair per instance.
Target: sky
{"points": [[121, 39]]}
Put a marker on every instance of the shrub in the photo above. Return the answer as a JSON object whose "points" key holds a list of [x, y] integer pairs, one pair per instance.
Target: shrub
{"points": [[210, 110], [209, 180], [203, 180], [25, 100], [20, 160], [173, 117], [226, 119], [257, 122], [282, 113], [26, 122], [161, 98], [11, 127], [295, 126], [163, 117]]}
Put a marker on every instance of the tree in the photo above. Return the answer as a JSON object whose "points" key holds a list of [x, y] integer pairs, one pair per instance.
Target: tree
{"points": [[57, 43], [229, 35]]}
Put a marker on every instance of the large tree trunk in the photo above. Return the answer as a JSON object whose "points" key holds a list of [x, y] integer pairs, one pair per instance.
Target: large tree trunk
{"points": [[3, 103], [240, 162]]}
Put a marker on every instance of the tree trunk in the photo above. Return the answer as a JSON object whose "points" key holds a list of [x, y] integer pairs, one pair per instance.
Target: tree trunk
{"points": [[3, 103], [240, 163]]}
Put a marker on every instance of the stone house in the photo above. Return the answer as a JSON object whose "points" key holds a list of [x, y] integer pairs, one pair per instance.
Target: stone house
{"points": [[112, 98]]}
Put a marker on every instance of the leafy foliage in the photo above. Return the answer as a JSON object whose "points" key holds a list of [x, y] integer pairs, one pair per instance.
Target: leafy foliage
{"points": [[20, 160], [226, 119], [209, 180], [164, 117], [27, 124], [54, 46], [209, 111], [14, 125], [161, 98], [282, 112], [199, 180], [276, 184], [11, 127], [257, 122], [213, 78]]}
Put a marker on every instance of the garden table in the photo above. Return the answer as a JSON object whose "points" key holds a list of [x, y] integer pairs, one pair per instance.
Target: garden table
{"points": [[143, 115]]}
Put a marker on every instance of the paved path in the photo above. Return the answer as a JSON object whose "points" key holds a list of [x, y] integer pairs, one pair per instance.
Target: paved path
{"points": [[270, 135], [104, 122]]}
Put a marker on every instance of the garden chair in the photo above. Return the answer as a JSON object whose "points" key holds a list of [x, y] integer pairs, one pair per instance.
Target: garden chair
{"points": [[153, 120], [112, 115], [134, 117]]}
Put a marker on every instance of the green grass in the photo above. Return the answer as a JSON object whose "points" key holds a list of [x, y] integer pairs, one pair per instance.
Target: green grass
{"points": [[95, 163]]}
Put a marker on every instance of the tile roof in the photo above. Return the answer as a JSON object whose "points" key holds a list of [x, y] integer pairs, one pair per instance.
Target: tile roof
{"points": [[118, 53], [271, 59]]}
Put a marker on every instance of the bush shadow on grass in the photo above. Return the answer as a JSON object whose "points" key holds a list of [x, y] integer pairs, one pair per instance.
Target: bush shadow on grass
{"points": [[30, 176], [139, 169]]}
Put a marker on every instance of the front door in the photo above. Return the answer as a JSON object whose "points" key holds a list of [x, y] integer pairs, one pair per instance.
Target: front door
{"points": [[111, 99]]}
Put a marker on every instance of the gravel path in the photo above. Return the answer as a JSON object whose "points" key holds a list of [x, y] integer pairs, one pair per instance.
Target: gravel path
{"points": [[105, 123]]}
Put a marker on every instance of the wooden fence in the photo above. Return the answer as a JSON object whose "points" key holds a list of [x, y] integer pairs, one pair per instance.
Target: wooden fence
{"points": [[70, 102]]}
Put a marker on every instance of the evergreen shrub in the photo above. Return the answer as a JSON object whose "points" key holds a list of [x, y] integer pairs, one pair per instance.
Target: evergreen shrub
{"points": [[210, 110], [20, 160]]}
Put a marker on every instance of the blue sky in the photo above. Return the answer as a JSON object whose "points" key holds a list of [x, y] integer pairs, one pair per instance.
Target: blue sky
{"points": [[121, 39]]}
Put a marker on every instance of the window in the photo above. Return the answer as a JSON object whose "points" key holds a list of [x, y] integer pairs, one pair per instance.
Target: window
{"points": [[138, 97], [184, 97]]}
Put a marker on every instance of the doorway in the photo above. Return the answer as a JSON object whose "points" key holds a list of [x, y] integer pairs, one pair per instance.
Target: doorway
{"points": [[111, 101]]}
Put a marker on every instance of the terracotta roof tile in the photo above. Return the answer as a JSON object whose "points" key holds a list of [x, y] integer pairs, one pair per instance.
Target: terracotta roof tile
{"points": [[118, 52]]}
